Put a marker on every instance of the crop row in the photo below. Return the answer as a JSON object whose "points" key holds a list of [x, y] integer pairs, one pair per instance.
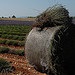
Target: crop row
{"points": [[12, 33], [9, 51], [13, 37], [13, 22], [12, 42], [15, 28]]}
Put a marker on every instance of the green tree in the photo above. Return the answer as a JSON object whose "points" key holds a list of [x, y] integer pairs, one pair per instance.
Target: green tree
{"points": [[9, 17], [13, 16], [2, 17]]}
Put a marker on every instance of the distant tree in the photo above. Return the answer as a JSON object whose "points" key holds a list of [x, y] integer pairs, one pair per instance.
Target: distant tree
{"points": [[30, 17], [13, 16], [2, 17], [9, 17]]}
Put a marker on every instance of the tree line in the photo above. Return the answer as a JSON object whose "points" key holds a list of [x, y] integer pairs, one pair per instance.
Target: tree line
{"points": [[9, 17]]}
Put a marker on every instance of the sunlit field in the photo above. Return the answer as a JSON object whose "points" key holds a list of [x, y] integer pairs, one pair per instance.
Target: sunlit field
{"points": [[19, 19]]}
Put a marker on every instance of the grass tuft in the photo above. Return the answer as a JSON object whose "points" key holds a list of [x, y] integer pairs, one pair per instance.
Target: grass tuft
{"points": [[5, 66]]}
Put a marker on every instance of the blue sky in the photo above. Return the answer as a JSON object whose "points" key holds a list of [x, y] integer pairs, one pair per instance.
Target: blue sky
{"points": [[32, 7]]}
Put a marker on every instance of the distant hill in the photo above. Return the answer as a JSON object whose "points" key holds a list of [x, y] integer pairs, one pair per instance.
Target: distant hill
{"points": [[23, 17]]}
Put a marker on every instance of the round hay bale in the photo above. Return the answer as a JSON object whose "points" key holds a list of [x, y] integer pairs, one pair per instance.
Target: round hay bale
{"points": [[50, 45], [52, 50]]}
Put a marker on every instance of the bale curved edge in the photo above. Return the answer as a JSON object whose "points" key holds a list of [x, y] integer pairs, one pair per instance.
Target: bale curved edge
{"points": [[52, 50]]}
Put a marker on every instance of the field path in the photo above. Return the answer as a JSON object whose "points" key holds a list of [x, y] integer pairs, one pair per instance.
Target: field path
{"points": [[20, 64]]}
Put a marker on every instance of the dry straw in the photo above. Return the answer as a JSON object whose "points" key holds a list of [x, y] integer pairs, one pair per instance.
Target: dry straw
{"points": [[53, 16]]}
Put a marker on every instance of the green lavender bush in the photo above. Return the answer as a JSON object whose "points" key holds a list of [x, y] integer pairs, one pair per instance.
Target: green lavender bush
{"points": [[5, 66]]}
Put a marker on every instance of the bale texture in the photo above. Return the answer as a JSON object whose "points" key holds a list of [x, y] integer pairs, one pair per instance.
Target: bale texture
{"points": [[37, 47]]}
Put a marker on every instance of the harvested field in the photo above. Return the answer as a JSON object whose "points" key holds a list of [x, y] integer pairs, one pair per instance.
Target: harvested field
{"points": [[20, 64], [18, 19]]}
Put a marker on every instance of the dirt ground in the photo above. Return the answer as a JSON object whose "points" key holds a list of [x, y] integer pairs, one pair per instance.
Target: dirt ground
{"points": [[20, 64], [12, 47]]}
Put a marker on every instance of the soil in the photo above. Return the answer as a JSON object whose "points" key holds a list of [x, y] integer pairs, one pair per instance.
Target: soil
{"points": [[20, 65], [12, 47]]}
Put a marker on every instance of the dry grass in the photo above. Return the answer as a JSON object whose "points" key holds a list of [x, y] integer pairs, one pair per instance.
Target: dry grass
{"points": [[53, 16], [19, 19]]}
